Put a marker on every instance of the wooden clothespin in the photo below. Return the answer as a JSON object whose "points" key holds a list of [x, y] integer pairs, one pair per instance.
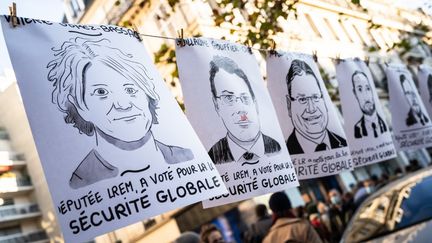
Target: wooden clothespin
{"points": [[315, 56], [273, 48], [337, 59], [13, 14], [367, 60], [135, 28], [249, 45], [181, 41]]}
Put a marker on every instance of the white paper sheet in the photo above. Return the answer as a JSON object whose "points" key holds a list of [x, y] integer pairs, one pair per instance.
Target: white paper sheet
{"points": [[412, 127], [311, 128], [114, 144], [232, 113], [367, 132]]}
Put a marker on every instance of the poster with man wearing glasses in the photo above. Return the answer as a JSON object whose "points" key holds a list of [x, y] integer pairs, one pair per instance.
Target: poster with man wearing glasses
{"points": [[314, 136], [412, 126], [234, 117], [368, 134]]}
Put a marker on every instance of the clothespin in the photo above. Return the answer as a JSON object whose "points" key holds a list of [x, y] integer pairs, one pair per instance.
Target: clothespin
{"points": [[337, 59], [249, 46], [273, 48], [181, 41], [13, 14], [367, 60], [134, 27], [315, 56]]}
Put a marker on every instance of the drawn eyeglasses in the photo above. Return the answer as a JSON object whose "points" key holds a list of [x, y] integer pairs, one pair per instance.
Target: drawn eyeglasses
{"points": [[231, 99], [304, 100]]}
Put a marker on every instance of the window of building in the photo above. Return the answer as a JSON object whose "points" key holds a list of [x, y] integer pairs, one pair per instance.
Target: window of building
{"points": [[313, 26], [10, 230]]}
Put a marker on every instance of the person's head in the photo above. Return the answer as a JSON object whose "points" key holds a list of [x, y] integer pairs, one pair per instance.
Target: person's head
{"points": [[99, 87], [188, 237], [363, 92], [369, 185], [234, 99], [335, 197], [409, 92], [211, 234], [261, 211], [305, 100], [322, 208], [280, 204]]}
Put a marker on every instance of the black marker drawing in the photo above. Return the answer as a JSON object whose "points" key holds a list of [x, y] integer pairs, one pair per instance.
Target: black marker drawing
{"points": [[415, 114], [104, 93], [429, 85], [371, 123], [308, 112], [235, 103]]}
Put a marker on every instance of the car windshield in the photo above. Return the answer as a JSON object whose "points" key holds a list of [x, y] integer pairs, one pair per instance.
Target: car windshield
{"points": [[392, 209]]}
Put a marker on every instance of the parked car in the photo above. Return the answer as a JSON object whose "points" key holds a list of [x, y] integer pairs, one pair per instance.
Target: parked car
{"points": [[401, 211]]}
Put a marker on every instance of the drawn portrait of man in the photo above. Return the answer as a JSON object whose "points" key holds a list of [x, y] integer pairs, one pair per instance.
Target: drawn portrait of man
{"points": [[371, 123], [429, 85], [106, 94], [235, 103], [415, 113], [308, 112]]}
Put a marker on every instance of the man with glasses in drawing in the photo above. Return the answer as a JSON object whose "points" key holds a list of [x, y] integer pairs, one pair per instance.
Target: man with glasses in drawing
{"points": [[235, 103], [308, 112]]}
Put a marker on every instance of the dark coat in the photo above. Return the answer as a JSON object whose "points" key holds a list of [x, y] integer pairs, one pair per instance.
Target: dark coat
{"points": [[411, 119], [360, 129], [220, 152], [294, 146]]}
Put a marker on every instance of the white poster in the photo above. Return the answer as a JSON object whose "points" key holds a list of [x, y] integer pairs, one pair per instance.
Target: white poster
{"points": [[367, 132], [425, 86], [114, 144], [232, 113], [412, 127], [312, 130]]}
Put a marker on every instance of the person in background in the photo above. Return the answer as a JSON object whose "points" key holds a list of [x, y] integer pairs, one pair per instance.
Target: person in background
{"points": [[211, 234], [339, 213], [188, 237], [363, 192], [324, 218], [286, 227], [262, 225]]}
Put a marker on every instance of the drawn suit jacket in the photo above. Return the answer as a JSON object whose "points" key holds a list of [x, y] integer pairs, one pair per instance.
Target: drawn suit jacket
{"points": [[411, 119], [220, 152], [294, 146], [94, 168], [360, 129]]}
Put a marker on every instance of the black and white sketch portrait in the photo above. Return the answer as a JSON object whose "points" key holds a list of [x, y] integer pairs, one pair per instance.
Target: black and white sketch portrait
{"points": [[308, 112], [415, 114], [371, 123], [429, 85], [106, 94], [235, 103]]}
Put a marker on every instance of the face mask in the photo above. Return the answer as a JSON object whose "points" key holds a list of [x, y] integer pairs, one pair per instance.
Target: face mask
{"points": [[335, 200], [369, 189]]}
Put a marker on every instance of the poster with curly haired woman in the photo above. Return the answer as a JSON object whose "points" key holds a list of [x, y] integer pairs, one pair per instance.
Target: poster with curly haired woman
{"points": [[111, 138]]}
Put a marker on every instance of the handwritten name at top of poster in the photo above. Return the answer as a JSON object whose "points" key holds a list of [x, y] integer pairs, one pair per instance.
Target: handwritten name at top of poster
{"points": [[329, 163], [246, 180], [216, 45], [369, 154], [135, 195], [105, 28]]}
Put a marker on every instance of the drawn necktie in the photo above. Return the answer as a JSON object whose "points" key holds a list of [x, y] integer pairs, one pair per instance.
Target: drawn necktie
{"points": [[374, 129], [321, 147]]}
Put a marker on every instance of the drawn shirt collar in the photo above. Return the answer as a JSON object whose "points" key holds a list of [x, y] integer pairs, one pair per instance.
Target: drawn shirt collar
{"points": [[309, 146], [237, 151]]}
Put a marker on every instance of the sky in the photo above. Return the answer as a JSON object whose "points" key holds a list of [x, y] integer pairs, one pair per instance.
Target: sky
{"points": [[38, 9]]}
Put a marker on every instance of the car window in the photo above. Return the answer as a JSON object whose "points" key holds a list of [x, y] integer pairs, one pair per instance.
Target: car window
{"points": [[394, 208]]}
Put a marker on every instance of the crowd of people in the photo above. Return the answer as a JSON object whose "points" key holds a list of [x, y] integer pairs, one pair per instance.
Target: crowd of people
{"points": [[316, 221]]}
